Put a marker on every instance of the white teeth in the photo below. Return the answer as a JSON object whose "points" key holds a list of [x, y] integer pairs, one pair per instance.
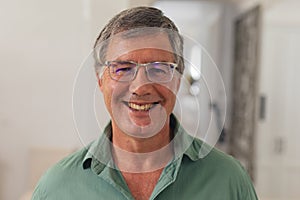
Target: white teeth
{"points": [[143, 107]]}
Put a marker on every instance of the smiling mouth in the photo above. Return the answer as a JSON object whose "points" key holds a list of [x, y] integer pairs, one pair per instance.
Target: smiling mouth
{"points": [[141, 107]]}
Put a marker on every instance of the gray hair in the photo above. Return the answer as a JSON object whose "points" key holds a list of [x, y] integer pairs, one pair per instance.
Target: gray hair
{"points": [[140, 17]]}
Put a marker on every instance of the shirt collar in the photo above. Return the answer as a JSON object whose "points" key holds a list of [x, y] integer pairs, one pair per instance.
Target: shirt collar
{"points": [[99, 155]]}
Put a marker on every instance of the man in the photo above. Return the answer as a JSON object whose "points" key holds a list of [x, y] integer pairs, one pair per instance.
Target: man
{"points": [[143, 152]]}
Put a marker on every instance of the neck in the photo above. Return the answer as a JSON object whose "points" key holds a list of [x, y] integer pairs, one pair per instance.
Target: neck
{"points": [[133, 154]]}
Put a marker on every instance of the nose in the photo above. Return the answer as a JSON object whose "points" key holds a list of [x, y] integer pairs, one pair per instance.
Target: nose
{"points": [[140, 84]]}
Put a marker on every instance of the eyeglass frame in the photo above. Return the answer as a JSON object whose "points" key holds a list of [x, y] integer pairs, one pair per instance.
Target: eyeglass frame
{"points": [[172, 65]]}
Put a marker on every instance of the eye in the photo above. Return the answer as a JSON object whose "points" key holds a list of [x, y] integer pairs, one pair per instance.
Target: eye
{"points": [[122, 67], [157, 71], [159, 68]]}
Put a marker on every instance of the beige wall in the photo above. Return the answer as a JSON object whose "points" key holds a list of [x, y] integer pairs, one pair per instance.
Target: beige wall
{"points": [[42, 46]]}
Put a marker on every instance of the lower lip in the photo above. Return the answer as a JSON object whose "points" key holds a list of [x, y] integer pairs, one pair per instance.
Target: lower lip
{"points": [[140, 118]]}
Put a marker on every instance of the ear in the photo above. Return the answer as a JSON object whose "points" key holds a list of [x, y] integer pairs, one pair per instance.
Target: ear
{"points": [[178, 81], [100, 81]]}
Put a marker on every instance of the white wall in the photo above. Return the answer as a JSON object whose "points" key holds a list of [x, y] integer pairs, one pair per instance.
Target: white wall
{"points": [[42, 45], [278, 164]]}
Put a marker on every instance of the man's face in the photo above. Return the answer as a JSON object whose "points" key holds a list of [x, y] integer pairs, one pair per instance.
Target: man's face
{"points": [[140, 108]]}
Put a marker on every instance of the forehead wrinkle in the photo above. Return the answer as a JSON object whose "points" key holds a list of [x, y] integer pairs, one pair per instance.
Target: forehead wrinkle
{"points": [[147, 55], [119, 46]]}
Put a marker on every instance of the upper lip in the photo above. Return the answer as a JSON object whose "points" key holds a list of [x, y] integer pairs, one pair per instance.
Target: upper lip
{"points": [[145, 106], [140, 103], [143, 100]]}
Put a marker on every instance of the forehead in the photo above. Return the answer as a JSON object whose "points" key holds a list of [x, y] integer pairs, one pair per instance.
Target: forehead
{"points": [[149, 47]]}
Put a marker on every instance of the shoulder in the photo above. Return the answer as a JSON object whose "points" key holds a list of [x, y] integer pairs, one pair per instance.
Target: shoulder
{"points": [[69, 163], [219, 171], [212, 160], [205, 156], [217, 160], [60, 174]]}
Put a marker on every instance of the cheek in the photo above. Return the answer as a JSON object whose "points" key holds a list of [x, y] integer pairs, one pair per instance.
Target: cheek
{"points": [[114, 91], [172, 101], [169, 97], [107, 89]]}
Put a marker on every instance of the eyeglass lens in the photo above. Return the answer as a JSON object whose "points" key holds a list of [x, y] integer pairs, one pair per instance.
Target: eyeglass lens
{"points": [[126, 71]]}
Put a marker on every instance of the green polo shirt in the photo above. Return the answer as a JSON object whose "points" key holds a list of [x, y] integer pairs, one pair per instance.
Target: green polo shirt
{"points": [[88, 174]]}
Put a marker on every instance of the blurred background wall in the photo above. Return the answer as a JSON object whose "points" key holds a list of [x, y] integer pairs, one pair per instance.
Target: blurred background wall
{"points": [[44, 42], [277, 144], [42, 46]]}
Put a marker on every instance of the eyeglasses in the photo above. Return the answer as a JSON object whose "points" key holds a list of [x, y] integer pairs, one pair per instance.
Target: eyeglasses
{"points": [[125, 71]]}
